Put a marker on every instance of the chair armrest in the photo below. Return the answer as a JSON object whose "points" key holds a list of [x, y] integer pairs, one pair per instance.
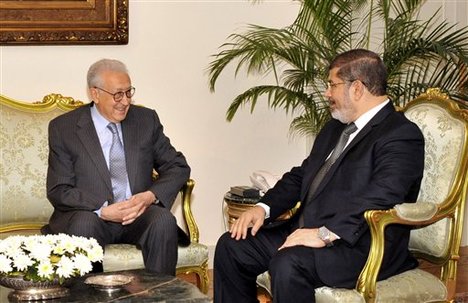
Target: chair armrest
{"points": [[186, 194], [20, 227], [192, 226], [420, 211], [412, 214]]}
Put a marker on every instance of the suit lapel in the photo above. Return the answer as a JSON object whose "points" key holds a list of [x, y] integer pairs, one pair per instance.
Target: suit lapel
{"points": [[88, 137], [376, 120], [130, 133], [323, 146]]}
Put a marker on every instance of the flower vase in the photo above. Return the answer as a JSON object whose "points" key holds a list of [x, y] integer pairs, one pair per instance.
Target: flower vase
{"points": [[24, 290]]}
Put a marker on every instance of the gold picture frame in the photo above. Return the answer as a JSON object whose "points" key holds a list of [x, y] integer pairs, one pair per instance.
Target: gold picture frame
{"points": [[63, 22]]}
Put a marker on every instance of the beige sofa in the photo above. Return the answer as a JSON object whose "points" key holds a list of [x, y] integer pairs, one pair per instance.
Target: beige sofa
{"points": [[24, 208]]}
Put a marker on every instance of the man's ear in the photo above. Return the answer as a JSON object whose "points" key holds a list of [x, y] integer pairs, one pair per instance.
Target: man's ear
{"points": [[94, 94], [358, 89]]}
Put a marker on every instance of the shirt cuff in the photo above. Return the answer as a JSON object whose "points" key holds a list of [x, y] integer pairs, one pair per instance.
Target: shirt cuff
{"points": [[266, 208], [98, 211]]}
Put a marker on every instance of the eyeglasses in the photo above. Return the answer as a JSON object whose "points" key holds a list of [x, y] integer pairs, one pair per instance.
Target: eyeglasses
{"points": [[330, 84], [118, 96]]}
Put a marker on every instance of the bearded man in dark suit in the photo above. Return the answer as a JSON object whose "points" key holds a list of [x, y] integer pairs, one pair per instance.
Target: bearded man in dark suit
{"points": [[87, 199], [327, 243]]}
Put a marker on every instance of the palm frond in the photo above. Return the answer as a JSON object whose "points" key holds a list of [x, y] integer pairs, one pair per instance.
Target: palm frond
{"points": [[277, 96], [312, 119]]}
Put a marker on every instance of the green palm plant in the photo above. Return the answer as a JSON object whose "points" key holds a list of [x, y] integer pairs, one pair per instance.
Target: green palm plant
{"points": [[418, 54]]}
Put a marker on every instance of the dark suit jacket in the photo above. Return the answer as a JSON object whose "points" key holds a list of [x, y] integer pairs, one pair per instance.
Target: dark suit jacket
{"points": [[381, 167], [78, 177]]}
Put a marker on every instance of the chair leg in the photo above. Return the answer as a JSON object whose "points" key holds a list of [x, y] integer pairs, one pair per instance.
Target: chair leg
{"points": [[203, 278], [201, 273]]}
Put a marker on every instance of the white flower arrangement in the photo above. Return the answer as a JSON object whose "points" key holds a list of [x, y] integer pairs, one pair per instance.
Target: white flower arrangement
{"points": [[48, 257]]}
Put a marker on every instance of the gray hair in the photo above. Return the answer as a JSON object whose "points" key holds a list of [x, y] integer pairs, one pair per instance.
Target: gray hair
{"points": [[97, 68]]}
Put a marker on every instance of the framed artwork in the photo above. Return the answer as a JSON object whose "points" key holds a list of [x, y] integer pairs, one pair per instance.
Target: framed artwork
{"points": [[63, 22]]}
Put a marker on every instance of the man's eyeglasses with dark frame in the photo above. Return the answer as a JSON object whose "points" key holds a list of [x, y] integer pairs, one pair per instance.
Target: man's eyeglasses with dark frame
{"points": [[331, 84], [118, 96]]}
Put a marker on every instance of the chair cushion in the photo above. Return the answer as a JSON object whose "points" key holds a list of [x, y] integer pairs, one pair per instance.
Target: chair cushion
{"points": [[122, 257], [127, 256], [411, 286], [264, 281], [322, 294], [337, 295], [195, 254]]}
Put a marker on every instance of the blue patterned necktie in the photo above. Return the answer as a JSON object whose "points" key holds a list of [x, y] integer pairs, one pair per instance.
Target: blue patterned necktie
{"points": [[117, 166], [339, 147]]}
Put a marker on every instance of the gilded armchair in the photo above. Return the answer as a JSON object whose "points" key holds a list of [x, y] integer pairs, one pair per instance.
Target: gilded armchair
{"points": [[24, 207], [436, 218]]}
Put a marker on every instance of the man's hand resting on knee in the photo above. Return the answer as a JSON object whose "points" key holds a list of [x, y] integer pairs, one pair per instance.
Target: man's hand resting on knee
{"points": [[254, 216], [306, 237], [127, 211]]}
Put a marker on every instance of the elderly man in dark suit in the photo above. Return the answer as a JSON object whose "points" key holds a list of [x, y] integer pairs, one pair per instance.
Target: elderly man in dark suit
{"points": [[368, 157], [100, 176]]}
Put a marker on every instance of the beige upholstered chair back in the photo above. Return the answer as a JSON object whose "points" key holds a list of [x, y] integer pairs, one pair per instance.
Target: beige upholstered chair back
{"points": [[23, 158], [445, 137]]}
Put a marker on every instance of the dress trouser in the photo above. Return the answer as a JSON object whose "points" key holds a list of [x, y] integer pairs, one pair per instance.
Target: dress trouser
{"points": [[155, 232], [238, 263]]}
